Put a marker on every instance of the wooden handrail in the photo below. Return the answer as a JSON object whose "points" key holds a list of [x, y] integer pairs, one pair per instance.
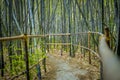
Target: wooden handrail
{"points": [[24, 37], [77, 46], [45, 35]]}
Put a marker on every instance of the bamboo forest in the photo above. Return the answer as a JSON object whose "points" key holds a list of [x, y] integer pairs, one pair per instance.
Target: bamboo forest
{"points": [[59, 39]]}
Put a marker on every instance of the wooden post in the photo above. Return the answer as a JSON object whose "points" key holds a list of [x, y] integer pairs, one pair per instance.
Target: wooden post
{"points": [[70, 51], [89, 47], [106, 33], [26, 56]]}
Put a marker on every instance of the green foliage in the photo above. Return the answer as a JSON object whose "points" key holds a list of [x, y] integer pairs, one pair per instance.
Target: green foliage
{"points": [[34, 57], [18, 58]]}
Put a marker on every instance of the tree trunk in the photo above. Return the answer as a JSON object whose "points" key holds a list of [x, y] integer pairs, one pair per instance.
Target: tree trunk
{"points": [[10, 32], [1, 48]]}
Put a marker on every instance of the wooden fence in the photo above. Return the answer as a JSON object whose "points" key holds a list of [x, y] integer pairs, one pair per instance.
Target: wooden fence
{"points": [[25, 37]]}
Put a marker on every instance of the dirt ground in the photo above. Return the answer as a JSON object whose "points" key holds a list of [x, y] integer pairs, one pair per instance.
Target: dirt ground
{"points": [[66, 68]]}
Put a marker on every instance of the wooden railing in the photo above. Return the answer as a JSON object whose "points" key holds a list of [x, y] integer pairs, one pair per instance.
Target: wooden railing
{"points": [[25, 37]]}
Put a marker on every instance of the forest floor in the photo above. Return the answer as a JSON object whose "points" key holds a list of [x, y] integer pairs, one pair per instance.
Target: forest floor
{"points": [[67, 68]]}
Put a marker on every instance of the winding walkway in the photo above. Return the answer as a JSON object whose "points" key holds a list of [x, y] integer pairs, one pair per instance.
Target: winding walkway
{"points": [[65, 71]]}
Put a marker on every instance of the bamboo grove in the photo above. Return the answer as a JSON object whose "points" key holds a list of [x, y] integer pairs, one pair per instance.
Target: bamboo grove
{"points": [[45, 17]]}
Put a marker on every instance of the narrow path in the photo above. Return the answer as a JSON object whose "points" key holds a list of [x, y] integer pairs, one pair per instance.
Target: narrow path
{"points": [[65, 71]]}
